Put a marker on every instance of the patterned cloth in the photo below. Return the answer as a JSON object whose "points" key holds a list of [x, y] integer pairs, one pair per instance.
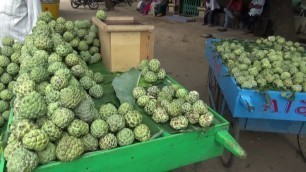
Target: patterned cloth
{"points": [[18, 17]]}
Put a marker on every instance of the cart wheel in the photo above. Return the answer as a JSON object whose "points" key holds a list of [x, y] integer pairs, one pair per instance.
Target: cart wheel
{"points": [[302, 145], [227, 157]]}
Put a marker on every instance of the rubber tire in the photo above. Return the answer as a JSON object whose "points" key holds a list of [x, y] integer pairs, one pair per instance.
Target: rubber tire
{"points": [[93, 4], [302, 145], [73, 4]]}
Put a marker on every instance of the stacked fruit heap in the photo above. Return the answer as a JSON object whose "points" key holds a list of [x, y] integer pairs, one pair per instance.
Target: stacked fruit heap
{"points": [[174, 104], [54, 112], [151, 71], [272, 63]]}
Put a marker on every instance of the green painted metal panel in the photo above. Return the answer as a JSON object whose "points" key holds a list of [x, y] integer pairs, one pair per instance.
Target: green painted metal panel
{"points": [[190, 7]]}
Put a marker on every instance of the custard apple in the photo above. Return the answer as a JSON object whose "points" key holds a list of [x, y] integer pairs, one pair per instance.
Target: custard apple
{"points": [[95, 58], [153, 91], [62, 117], [12, 69], [133, 118], [192, 117], [63, 49], [47, 155], [181, 93], [32, 106], [51, 95], [150, 77], [168, 89], [41, 87], [86, 82], [206, 119], [192, 97], [142, 64], [22, 127], [98, 77], [125, 137], [138, 92], [71, 60], [124, 108], [35, 139], [53, 67], [154, 65], [109, 141], [68, 36], [143, 100], [107, 110], [41, 121], [63, 72], [43, 42], [6, 78], [186, 108], [4, 61], [78, 71], [4, 106], [8, 41], [53, 131], [101, 15], [10, 148], [160, 115], [174, 109], [161, 74], [54, 58], [69, 148], [39, 74], [150, 107], [179, 123], [96, 91], [70, 97], [6, 115], [6, 95], [86, 110], [200, 107], [7, 51], [24, 88], [99, 128], [115, 122], [59, 82], [22, 160], [142, 133], [164, 96], [78, 128], [90, 142]]}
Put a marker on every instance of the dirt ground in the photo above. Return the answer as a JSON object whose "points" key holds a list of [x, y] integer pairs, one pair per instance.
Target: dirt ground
{"points": [[180, 48]]}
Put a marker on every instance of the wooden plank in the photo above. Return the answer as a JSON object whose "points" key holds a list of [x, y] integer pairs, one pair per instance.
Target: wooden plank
{"points": [[146, 45]]}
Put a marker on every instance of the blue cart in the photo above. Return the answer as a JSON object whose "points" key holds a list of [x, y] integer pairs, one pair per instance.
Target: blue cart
{"points": [[269, 111]]}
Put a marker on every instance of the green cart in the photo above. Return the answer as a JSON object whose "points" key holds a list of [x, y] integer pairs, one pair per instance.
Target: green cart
{"points": [[166, 150]]}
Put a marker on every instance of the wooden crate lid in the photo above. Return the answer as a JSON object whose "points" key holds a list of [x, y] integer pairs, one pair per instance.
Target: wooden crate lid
{"points": [[119, 24]]}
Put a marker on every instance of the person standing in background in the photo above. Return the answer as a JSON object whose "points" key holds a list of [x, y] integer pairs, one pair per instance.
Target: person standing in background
{"points": [[255, 10], [213, 7], [18, 17], [232, 10]]}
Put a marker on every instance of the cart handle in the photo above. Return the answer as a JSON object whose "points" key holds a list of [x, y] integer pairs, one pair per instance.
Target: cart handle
{"points": [[229, 143]]}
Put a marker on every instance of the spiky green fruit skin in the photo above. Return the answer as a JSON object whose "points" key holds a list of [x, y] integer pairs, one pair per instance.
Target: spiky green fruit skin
{"points": [[186, 108], [192, 117], [179, 123], [12, 69], [6, 95], [143, 100], [53, 131], [71, 60], [51, 95], [70, 97], [7, 51], [22, 160], [174, 109], [96, 91], [133, 118], [107, 110], [4, 61], [181, 93], [161, 74], [95, 58], [125, 137], [8, 41], [90, 142], [109, 141], [86, 82], [86, 110], [78, 128], [164, 96], [153, 91], [143, 64], [36, 140], [41, 121], [99, 128], [150, 107], [22, 127], [47, 155], [39, 74], [98, 78], [4, 106], [101, 15], [5, 78], [78, 71], [142, 133], [32, 106], [154, 65], [62, 117], [11, 147], [115, 123], [69, 148], [124, 108], [6, 115], [199, 107], [192, 97], [59, 82], [138, 92], [150, 77], [206, 119], [160, 116], [24, 88]]}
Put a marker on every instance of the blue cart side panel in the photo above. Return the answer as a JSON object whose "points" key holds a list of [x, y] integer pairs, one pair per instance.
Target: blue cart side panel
{"points": [[269, 125], [245, 103]]}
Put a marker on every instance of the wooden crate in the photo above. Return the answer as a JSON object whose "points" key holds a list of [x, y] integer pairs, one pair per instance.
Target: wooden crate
{"points": [[124, 42], [52, 7]]}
